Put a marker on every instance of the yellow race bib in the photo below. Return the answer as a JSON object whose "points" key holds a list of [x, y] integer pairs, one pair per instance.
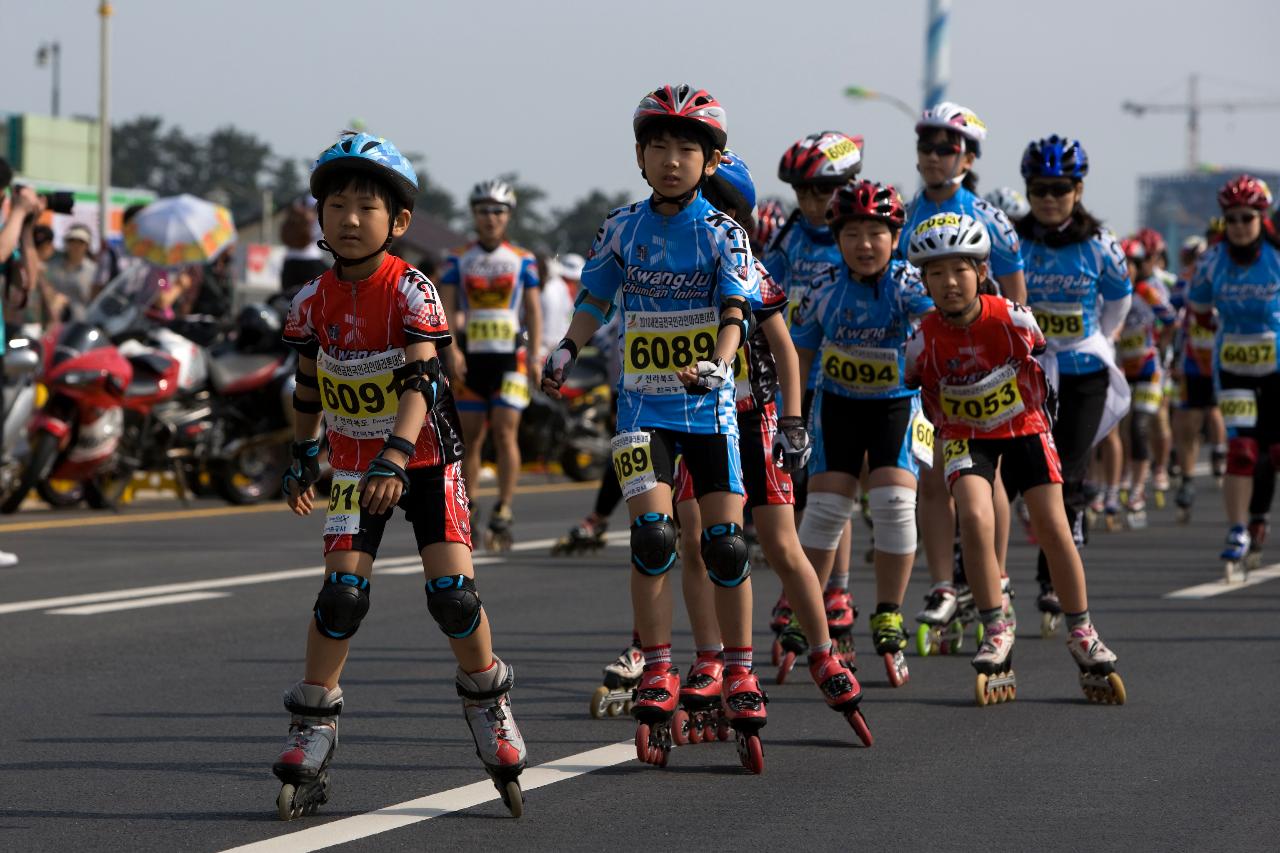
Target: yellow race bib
{"points": [[922, 438], [866, 370], [955, 456], [360, 397], [1239, 407], [1059, 320], [984, 405], [491, 330], [1248, 355], [1146, 397], [657, 345]]}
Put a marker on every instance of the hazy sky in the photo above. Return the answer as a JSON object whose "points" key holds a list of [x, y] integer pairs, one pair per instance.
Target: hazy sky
{"points": [[547, 88]]}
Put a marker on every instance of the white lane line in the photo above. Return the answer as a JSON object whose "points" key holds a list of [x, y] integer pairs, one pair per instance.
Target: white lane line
{"points": [[156, 601], [435, 805], [394, 565], [1208, 590]]}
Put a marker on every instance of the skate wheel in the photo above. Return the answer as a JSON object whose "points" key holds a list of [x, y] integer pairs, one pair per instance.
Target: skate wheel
{"points": [[680, 728], [695, 731], [599, 707], [513, 798], [784, 668], [1047, 627], [977, 635], [642, 742], [777, 653], [616, 708], [860, 727], [1160, 500], [922, 641], [626, 707], [980, 690], [1118, 694], [1253, 562], [753, 758], [284, 802], [897, 676], [722, 730]]}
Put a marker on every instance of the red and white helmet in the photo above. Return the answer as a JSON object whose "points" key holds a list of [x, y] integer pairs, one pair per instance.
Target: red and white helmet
{"points": [[684, 101], [949, 116], [826, 157], [1245, 191]]}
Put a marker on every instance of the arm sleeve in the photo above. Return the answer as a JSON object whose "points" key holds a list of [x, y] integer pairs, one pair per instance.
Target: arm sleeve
{"points": [[735, 274], [1028, 330], [421, 311], [602, 274], [1113, 313], [529, 273], [914, 355], [772, 297], [1200, 293], [298, 331], [912, 295], [1113, 272]]}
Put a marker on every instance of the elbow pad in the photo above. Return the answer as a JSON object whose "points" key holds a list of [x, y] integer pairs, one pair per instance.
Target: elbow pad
{"points": [[580, 303], [745, 323]]}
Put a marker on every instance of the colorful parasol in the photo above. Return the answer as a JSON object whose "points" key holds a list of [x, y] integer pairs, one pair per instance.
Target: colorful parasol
{"points": [[179, 230]]}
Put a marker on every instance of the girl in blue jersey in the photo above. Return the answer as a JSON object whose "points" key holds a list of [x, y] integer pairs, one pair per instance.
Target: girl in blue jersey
{"points": [[1241, 278], [856, 324], [684, 271], [1078, 288], [949, 141]]}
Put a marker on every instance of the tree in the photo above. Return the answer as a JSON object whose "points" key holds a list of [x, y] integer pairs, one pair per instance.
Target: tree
{"points": [[529, 226], [575, 227], [286, 181], [236, 163], [135, 152]]}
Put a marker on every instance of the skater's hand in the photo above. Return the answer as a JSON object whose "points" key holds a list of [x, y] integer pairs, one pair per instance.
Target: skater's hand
{"points": [[301, 475], [706, 376], [792, 445], [383, 484], [300, 502], [558, 366]]}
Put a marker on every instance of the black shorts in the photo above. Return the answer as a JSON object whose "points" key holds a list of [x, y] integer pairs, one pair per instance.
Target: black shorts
{"points": [[1029, 461], [766, 483], [483, 385], [1266, 394], [713, 462], [1196, 392], [846, 429], [436, 505]]}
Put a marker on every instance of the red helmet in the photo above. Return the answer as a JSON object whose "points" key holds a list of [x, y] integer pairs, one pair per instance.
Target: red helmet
{"points": [[1151, 241], [1134, 249], [683, 101], [770, 215], [866, 200], [826, 157], [1245, 191]]}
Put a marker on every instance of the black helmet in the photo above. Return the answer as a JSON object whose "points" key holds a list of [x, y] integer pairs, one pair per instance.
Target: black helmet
{"points": [[257, 329]]}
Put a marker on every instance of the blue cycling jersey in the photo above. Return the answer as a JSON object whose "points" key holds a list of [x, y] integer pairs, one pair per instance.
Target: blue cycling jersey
{"points": [[674, 272], [859, 331], [1248, 303], [801, 255], [1063, 288], [1005, 257]]}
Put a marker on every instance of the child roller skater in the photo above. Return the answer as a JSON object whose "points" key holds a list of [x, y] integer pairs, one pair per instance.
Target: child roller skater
{"points": [[684, 272], [974, 361], [393, 441]]}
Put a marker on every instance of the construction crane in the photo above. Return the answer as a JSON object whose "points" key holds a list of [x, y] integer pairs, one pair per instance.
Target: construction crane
{"points": [[1193, 106]]}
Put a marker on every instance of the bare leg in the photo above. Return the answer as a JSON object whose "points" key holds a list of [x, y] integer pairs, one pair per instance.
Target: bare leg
{"points": [[1049, 520], [699, 592], [506, 430], [974, 506], [937, 520]]}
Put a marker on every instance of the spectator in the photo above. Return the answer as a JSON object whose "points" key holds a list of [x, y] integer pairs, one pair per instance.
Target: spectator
{"points": [[559, 289], [303, 260], [71, 275]]}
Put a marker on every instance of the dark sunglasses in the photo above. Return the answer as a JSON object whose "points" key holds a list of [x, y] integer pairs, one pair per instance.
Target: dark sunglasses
{"points": [[490, 209], [942, 149], [1057, 189], [1240, 218], [816, 190]]}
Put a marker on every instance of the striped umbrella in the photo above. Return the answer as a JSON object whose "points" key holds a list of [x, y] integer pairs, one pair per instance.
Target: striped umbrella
{"points": [[179, 230]]}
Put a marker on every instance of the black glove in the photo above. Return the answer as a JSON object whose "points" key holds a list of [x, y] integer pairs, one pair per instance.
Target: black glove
{"points": [[792, 445], [305, 469]]}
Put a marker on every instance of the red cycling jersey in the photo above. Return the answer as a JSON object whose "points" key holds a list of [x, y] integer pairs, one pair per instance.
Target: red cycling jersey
{"points": [[981, 381], [357, 332]]}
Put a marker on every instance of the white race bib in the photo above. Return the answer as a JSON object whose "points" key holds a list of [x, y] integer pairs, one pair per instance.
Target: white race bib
{"points": [[633, 463], [343, 516]]}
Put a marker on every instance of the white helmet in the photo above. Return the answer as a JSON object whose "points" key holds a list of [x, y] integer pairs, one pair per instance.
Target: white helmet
{"points": [[949, 116], [1013, 203], [496, 191], [570, 266], [948, 235]]}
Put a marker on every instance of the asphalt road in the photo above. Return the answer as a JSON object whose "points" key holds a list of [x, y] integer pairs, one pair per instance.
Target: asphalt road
{"points": [[154, 727]]}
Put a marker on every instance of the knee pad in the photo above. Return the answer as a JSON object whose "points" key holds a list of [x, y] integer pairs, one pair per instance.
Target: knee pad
{"points": [[453, 603], [341, 605], [653, 543], [893, 516], [724, 552], [1242, 456], [824, 520]]}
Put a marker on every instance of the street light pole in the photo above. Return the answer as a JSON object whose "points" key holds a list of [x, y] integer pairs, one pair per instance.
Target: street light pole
{"points": [[861, 93], [50, 53], [104, 123]]}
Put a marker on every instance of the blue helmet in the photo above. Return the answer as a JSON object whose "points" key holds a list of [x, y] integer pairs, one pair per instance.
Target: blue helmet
{"points": [[1055, 157], [371, 154], [732, 180]]}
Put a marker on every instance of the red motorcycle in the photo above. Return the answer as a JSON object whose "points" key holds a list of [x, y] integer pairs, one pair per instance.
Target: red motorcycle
{"points": [[99, 398]]}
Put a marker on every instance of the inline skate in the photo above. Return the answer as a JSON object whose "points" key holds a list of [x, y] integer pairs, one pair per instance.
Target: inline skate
{"points": [[586, 537], [1111, 510], [1185, 498], [1006, 603], [1257, 538], [700, 717], [303, 766], [1135, 510], [1235, 554], [994, 662], [487, 708], [744, 705], [938, 613], [841, 691], [890, 642], [497, 537], [1098, 677], [657, 695], [1050, 610], [794, 645], [841, 614], [1160, 488], [1218, 463], [620, 679], [780, 618]]}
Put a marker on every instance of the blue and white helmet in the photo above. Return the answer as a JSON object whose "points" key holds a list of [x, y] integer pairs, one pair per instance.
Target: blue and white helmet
{"points": [[733, 181], [371, 154]]}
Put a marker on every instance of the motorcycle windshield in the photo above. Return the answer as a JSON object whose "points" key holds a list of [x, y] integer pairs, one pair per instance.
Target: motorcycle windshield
{"points": [[77, 338], [121, 305]]}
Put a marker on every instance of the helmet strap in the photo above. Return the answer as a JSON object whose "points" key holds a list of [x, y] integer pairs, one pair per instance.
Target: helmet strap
{"points": [[339, 261], [680, 201]]}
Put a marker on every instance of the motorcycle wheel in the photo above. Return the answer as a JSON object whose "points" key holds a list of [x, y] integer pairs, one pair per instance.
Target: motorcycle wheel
{"points": [[60, 494], [580, 464], [251, 476], [44, 450], [105, 490]]}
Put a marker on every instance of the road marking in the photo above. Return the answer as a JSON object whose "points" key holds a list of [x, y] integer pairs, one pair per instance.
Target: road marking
{"points": [[435, 805], [1208, 590], [155, 601], [389, 566], [213, 512]]}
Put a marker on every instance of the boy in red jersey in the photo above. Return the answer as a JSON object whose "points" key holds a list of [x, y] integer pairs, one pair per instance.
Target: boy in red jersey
{"points": [[367, 334], [974, 360]]}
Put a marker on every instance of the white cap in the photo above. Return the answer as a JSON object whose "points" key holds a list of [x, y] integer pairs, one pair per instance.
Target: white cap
{"points": [[571, 265], [79, 232]]}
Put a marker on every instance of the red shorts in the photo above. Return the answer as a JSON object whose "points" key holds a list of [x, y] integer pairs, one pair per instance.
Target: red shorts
{"points": [[766, 483], [436, 505]]}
